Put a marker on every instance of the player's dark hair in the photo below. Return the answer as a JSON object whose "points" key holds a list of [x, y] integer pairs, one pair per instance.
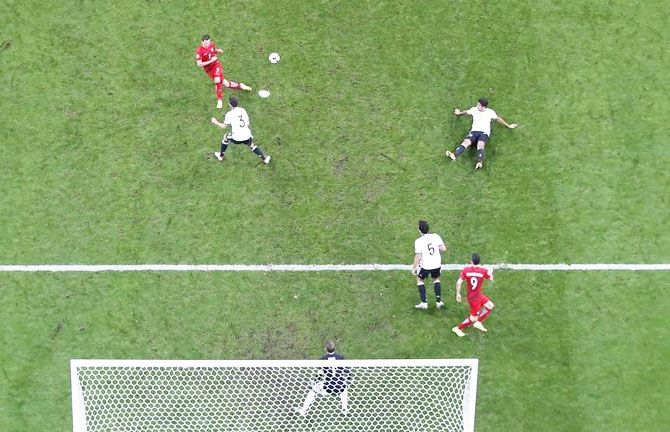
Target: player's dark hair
{"points": [[330, 346], [233, 101], [483, 102], [423, 227], [475, 259], [206, 37]]}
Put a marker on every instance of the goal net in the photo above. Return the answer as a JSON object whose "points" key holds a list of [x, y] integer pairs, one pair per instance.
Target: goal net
{"points": [[274, 395]]}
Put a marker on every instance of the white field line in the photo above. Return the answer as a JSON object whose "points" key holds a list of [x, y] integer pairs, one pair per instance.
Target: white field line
{"points": [[317, 267]]}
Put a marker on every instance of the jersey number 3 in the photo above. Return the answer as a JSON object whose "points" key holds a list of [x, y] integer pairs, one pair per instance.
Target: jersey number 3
{"points": [[242, 123]]}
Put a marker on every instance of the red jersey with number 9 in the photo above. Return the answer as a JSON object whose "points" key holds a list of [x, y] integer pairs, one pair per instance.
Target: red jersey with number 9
{"points": [[475, 276]]}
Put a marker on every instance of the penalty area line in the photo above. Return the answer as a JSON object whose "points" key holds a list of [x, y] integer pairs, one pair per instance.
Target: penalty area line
{"points": [[74, 268]]}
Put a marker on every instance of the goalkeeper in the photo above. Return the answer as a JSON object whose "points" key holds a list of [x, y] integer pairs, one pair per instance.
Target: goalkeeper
{"points": [[332, 382]]}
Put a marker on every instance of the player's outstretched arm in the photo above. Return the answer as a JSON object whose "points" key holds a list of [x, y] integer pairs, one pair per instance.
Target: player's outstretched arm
{"points": [[218, 123], [459, 112], [510, 126], [459, 283]]}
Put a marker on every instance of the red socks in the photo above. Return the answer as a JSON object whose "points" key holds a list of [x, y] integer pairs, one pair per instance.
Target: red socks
{"points": [[484, 314], [468, 322], [465, 323], [232, 84]]}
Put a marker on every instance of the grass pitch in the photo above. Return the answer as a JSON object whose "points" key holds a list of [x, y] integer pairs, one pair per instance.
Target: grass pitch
{"points": [[108, 158]]}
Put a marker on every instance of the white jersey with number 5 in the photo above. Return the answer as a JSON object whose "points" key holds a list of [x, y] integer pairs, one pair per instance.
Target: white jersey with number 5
{"points": [[238, 119], [428, 245]]}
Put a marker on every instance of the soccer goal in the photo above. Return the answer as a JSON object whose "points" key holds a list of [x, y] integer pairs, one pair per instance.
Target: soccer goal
{"points": [[269, 396]]}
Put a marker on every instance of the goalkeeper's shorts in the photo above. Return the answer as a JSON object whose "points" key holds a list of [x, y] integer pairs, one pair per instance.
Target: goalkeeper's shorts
{"points": [[323, 388]]}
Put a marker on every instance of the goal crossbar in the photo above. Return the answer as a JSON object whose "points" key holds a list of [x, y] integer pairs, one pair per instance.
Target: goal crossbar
{"points": [[76, 363]]}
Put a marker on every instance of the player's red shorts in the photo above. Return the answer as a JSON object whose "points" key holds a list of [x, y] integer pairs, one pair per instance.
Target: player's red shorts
{"points": [[476, 304], [215, 71]]}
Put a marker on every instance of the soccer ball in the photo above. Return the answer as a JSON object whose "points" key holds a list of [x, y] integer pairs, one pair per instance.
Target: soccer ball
{"points": [[274, 58]]}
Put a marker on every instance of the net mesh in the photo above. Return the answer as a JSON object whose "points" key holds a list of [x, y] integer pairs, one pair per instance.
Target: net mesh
{"points": [[267, 399]]}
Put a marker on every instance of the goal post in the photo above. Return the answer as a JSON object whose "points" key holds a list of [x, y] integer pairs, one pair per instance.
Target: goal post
{"points": [[273, 395]]}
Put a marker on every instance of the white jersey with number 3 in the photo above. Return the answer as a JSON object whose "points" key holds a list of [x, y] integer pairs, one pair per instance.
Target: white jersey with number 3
{"points": [[238, 119], [428, 245]]}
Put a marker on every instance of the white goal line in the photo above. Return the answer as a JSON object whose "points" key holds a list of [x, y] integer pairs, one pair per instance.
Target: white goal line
{"points": [[317, 267]]}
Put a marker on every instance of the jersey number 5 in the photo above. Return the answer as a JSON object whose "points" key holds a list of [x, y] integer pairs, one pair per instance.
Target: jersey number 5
{"points": [[431, 249]]}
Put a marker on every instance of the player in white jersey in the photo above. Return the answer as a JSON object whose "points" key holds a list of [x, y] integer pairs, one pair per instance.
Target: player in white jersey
{"points": [[428, 261], [238, 120], [480, 131]]}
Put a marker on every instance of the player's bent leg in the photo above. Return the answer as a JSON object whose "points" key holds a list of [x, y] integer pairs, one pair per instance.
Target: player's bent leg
{"points": [[344, 398], [309, 400], [483, 314], [219, 92], [254, 148], [224, 145], [480, 155], [461, 148], [459, 328], [236, 85], [420, 284], [474, 320], [437, 287]]}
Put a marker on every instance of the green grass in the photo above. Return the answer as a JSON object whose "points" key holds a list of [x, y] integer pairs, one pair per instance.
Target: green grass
{"points": [[563, 352], [108, 158]]}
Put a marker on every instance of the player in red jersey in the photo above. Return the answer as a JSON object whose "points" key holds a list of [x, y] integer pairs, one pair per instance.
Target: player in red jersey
{"points": [[205, 57], [480, 305]]}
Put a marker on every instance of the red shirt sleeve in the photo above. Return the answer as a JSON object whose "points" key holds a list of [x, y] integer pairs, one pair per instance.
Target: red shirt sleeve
{"points": [[487, 274], [463, 273]]}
